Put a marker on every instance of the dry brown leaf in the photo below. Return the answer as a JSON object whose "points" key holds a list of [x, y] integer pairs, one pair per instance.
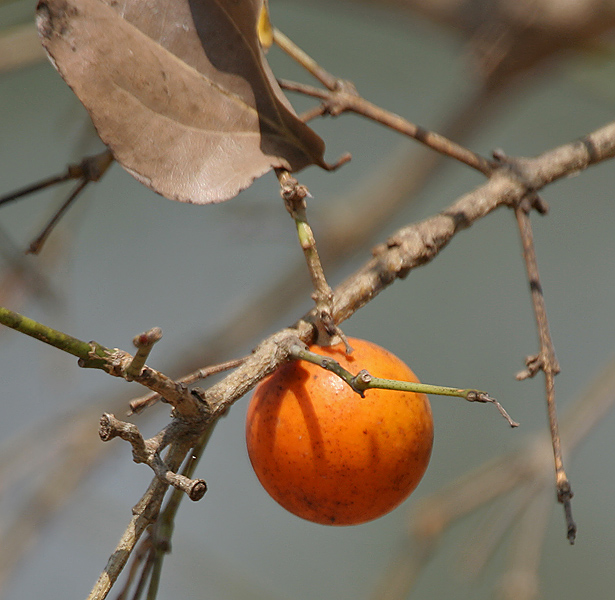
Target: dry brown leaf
{"points": [[179, 90]]}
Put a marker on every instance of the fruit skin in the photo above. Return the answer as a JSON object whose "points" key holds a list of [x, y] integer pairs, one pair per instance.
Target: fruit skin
{"points": [[326, 454]]}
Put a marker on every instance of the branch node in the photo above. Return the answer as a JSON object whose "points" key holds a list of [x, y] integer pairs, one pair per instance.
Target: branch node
{"points": [[338, 100], [536, 363], [361, 382], [478, 396], [97, 356], [148, 452], [116, 362], [293, 193], [518, 168]]}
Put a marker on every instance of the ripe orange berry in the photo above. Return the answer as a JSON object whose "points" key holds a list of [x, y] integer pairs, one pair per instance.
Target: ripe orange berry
{"points": [[326, 454]]}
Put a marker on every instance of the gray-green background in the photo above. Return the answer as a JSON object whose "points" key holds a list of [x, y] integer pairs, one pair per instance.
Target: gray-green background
{"points": [[128, 259]]}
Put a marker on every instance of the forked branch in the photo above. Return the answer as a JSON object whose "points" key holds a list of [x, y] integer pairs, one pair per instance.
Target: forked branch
{"points": [[145, 513], [113, 361], [407, 249], [342, 96], [90, 169], [148, 452]]}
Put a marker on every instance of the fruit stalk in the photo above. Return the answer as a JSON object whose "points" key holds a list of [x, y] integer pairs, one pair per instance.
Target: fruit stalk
{"points": [[363, 380]]}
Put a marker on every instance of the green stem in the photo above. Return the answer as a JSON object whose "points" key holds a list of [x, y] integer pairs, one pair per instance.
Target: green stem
{"points": [[411, 386], [86, 351], [364, 381]]}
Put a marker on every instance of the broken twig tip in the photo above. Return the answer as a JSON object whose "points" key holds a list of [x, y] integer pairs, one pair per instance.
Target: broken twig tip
{"points": [[341, 161], [503, 412], [484, 397]]}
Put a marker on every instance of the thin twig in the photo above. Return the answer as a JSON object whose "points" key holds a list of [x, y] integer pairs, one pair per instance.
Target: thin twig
{"points": [[415, 246], [148, 451], [547, 362], [113, 361], [343, 231], [91, 353], [164, 528], [90, 169], [347, 99], [148, 557], [140, 404], [313, 113], [528, 469], [37, 243], [294, 196], [144, 514], [139, 557], [306, 61], [408, 248], [147, 567], [342, 96], [35, 187], [363, 381]]}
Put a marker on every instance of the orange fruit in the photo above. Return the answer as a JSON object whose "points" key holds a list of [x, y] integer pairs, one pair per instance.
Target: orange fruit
{"points": [[330, 456]]}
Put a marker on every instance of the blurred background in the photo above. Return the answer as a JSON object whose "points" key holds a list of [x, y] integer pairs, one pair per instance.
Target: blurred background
{"points": [[125, 260]]}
